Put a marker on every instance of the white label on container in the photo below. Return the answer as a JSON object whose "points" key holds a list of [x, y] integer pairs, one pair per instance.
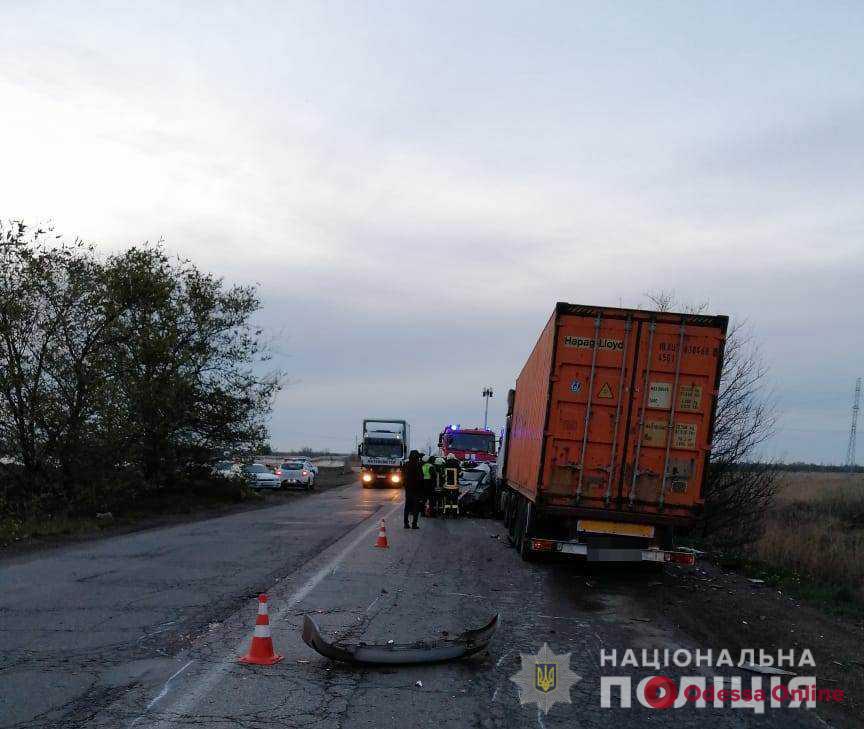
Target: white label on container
{"points": [[690, 398], [660, 395]]}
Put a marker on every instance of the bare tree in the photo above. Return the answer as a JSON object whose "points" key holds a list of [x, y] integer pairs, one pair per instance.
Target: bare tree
{"points": [[740, 487]]}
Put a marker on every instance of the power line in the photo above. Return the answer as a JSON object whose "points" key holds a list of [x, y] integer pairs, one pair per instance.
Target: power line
{"points": [[856, 404]]}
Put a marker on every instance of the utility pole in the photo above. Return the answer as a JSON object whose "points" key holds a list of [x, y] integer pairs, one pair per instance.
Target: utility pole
{"points": [[856, 404], [487, 393]]}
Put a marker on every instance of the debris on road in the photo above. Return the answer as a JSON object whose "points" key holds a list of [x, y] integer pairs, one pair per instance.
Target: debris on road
{"points": [[421, 651], [419, 684]]}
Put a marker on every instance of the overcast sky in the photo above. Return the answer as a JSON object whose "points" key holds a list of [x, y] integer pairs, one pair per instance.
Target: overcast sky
{"points": [[415, 184]]}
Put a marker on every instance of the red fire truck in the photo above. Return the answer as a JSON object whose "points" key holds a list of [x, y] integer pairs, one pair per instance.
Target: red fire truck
{"points": [[468, 444]]}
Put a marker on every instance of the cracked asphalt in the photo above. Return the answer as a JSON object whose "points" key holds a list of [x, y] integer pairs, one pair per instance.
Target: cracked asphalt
{"points": [[144, 630]]}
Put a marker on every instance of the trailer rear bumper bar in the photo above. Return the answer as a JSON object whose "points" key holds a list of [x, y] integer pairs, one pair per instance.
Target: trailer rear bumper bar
{"points": [[588, 553], [558, 511]]}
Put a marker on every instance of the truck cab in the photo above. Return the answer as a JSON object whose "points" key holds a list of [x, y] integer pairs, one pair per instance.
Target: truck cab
{"points": [[383, 452], [468, 444]]}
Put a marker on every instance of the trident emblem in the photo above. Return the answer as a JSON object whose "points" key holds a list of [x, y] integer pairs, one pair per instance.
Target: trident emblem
{"points": [[545, 677]]}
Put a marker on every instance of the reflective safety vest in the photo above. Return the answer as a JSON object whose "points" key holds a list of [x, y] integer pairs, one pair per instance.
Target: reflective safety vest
{"points": [[427, 471]]}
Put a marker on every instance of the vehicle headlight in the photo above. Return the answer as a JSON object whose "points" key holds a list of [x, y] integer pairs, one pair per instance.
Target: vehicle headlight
{"points": [[395, 477], [367, 477]]}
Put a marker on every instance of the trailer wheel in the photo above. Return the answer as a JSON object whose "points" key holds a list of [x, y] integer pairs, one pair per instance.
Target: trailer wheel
{"points": [[525, 529], [510, 517], [511, 509], [501, 501]]}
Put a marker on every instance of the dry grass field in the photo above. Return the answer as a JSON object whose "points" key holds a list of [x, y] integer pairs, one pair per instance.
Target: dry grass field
{"points": [[816, 532]]}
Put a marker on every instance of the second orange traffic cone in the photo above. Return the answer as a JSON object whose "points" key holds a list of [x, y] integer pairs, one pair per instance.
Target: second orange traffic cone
{"points": [[261, 651], [382, 537]]}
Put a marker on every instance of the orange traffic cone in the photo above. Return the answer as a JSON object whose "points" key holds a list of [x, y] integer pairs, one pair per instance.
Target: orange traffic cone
{"points": [[382, 537], [261, 651]]}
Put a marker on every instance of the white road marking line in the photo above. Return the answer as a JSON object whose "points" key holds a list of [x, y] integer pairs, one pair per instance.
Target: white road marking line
{"points": [[501, 659], [209, 678], [161, 695], [540, 721], [494, 694]]}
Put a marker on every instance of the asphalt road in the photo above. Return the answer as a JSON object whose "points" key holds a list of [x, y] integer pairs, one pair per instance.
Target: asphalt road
{"points": [[144, 629]]}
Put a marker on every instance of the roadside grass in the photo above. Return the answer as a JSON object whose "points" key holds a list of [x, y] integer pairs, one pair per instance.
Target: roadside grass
{"points": [[813, 543], [200, 496], [13, 529], [126, 512]]}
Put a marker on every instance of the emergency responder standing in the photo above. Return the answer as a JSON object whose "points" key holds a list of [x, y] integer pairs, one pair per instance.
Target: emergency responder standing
{"points": [[428, 481], [452, 471], [413, 489], [438, 498], [453, 463]]}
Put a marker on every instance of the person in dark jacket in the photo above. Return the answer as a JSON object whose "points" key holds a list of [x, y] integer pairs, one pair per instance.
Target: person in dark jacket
{"points": [[413, 489]]}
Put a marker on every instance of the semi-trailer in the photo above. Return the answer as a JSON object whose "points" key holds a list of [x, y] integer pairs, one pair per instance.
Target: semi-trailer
{"points": [[608, 433]]}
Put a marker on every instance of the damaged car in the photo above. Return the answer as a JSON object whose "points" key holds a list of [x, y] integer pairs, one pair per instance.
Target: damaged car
{"points": [[476, 490]]}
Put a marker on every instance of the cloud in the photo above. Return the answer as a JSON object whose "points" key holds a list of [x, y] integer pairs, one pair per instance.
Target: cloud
{"points": [[414, 187]]}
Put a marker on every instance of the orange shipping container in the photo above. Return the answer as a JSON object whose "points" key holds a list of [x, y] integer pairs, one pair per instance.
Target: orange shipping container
{"points": [[612, 423]]}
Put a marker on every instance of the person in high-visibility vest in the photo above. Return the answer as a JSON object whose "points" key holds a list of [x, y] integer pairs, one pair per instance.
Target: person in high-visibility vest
{"points": [[428, 469]]}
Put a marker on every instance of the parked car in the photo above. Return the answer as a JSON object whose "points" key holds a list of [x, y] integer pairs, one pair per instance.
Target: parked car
{"points": [[297, 473], [308, 461], [227, 469], [260, 477], [274, 469]]}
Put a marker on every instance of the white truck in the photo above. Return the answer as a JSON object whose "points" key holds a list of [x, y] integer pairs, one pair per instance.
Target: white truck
{"points": [[383, 451]]}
